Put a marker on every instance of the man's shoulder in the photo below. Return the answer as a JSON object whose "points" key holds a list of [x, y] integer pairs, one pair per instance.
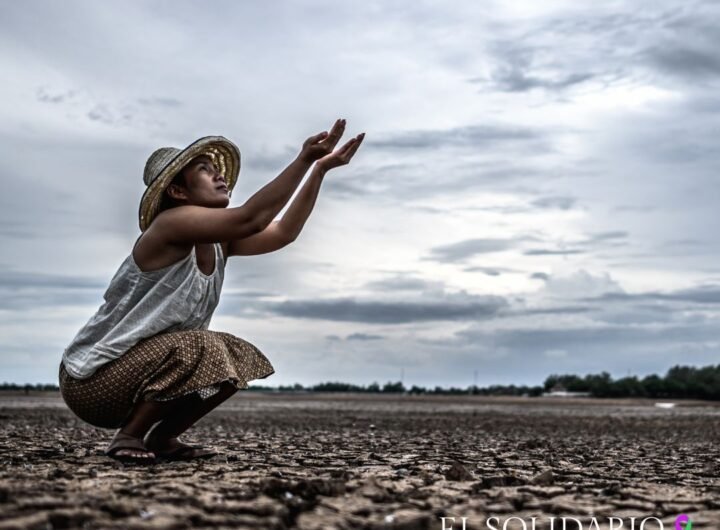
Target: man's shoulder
{"points": [[153, 250]]}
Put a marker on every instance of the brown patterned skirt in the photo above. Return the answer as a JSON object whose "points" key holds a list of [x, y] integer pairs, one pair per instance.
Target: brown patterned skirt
{"points": [[162, 367]]}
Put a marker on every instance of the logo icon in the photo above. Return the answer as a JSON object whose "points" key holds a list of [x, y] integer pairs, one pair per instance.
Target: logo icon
{"points": [[683, 518]]}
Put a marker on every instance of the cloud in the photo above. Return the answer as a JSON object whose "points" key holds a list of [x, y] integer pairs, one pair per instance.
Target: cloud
{"points": [[551, 252], [467, 136], [23, 300], [514, 78], [404, 283], [464, 249], [561, 203], [568, 310], [21, 290], [491, 271], [388, 312], [702, 294], [16, 280], [581, 284], [605, 236], [585, 340], [363, 336]]}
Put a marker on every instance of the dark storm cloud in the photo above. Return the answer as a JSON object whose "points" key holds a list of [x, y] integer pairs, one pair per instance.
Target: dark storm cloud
{"points": [[15, 280], [590, 339], [613, 238], [490, 271], [567, 310], [702, 294], [605, 236], [248, 294], [465, 249], [684, 61], [21, 290], [469, 136], [561, 203], [551, 252], [400, 284], [553, 53], [687, 46], [364, 336], [33, 299], [379, 312], [540, 276], [470, 247], [514, 78]]}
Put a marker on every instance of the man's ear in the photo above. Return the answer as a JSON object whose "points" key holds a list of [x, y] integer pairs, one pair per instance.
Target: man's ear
{"points": [[176, 192]]}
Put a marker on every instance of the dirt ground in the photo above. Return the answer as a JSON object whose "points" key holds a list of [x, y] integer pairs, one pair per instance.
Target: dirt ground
{"points": [[336, 461]]}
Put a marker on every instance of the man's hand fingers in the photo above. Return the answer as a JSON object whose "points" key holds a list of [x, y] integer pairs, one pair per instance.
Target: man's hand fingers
{"points": [[347, 146], [357, 141], [335, 133], [315, 139]]}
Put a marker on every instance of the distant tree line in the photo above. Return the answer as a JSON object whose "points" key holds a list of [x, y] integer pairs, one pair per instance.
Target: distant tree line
{"points": [[27, 387], [398, 388], [679, 382]]}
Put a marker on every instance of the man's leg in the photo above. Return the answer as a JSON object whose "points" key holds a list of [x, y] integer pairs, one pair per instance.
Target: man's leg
{"points": [[146, 413], [164, 435]]}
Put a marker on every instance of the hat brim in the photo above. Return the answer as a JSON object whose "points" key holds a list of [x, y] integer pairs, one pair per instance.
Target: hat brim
{"points": [[222, 151]]}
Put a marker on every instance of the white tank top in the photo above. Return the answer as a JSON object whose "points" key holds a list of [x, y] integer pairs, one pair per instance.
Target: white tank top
{"points": [[141, 304]]}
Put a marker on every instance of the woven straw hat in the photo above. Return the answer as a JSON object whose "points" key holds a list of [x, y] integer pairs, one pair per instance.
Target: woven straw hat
{"points": [[162, 166]]}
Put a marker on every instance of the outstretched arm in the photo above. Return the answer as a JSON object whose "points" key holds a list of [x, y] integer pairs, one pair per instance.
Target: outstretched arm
{"points": [[278, 234], [293, 220], [273, 196]]}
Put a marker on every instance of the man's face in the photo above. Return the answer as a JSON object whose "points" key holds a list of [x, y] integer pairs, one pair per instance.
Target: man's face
{"points": [[205, 185]]}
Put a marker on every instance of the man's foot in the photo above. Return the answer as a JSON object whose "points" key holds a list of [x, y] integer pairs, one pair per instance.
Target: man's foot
{"points": [[173, 449], [129, 449]]}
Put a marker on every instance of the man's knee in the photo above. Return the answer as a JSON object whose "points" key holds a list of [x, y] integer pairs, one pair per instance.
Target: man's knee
{"points": [[227, 388]]}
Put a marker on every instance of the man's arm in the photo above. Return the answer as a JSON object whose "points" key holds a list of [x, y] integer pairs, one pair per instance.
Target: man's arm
{"points": [[293, 220], [274, 196], [191, 224], [283, 232]]}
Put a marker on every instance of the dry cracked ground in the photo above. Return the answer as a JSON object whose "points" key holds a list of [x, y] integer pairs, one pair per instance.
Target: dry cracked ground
{"points": [[336, 461]]}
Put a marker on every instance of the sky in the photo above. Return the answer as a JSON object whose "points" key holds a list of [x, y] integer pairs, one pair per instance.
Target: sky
{"points": [[535, 193]]}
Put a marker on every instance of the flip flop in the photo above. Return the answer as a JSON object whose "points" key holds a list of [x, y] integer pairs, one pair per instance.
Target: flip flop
{"points": [[186, 452], [125, 441]]}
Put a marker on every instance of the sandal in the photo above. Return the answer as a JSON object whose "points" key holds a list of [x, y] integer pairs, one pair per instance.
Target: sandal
{"points": [[183, 452], [125, 441], [186, 452]]}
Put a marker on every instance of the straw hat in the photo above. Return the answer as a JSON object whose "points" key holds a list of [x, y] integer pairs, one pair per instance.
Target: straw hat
{"points": [[162, 166]]}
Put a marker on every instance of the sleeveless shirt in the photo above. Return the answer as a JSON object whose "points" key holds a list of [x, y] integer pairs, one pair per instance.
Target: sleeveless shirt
{"points": [[141, 304]]}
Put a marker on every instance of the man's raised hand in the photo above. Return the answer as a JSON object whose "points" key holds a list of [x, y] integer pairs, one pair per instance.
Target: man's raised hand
{"points": [[320, 145], [342, 156]]}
